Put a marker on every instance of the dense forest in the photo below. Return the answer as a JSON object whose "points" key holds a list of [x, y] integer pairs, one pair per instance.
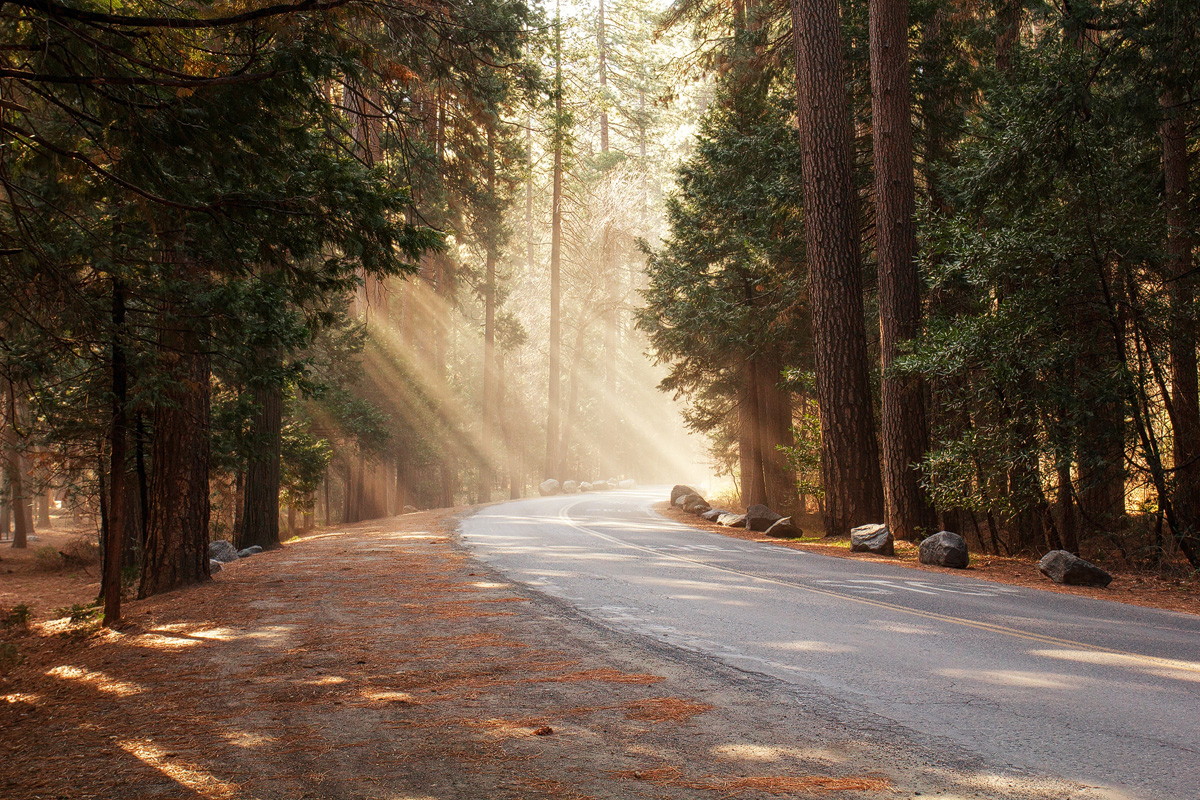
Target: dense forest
{"points": [[267, 266]]}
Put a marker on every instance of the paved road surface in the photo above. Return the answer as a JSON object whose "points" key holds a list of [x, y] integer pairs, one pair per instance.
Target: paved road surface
{"points": [[1090, 691]]}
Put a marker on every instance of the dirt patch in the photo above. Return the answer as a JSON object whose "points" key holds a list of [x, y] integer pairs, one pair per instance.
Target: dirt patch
{"points": [[368, 662], [1140, 589], [26, 580]]}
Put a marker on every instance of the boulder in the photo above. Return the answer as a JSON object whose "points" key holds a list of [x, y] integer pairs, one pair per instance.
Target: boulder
{"points": [[695, 504], [679, 491], [252, 550], [759, 518], [214, 566], [1061, 566], [549, 487], [713, 514], [872, 539], [599, 486], [409, 509], [628, 483], [570, 487], [585, 486], [944, 549], [612, 483], [784, 529], [732, 520], [222, 551]]}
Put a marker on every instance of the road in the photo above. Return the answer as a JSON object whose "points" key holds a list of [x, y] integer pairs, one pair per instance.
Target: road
{"points": [[1100, 693]]}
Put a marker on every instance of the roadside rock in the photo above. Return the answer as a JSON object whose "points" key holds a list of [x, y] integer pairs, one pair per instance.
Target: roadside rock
{"points": [[214, 566], [628, 483], [944, 549], [784, 529], [585, 486], [875, 539], [599, 486], [222, 551], [1061, 566], [410, 509], [252, 550], [759, 518], [678, 491], [732, 520], [570, 487], [549, 487], [713, 514], [695, 504]]}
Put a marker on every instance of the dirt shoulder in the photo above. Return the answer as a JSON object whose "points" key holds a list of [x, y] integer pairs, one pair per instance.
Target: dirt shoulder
{"points": [[381, 660], [1140, 589]]}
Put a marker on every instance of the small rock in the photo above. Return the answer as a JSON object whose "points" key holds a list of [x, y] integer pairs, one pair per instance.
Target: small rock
{"points": [[678, 491], [549, 487], [1061, 566], [875, 539], [759, 518], [944, 549], [570, 487], [713, 514], [585, 486], [599, 486], [252, 550], [695, 504], [784, 529], [222, 551], [732, 520], [214, 566], [409, 509], [628, 483]]}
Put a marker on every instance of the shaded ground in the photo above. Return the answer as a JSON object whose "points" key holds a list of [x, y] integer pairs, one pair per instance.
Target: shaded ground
{"points": [[381, 661], [25, 579], [1142, 589]]}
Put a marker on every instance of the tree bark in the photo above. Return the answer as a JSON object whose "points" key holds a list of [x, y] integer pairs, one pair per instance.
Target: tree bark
{"points": [[488, 411], [22, 526], [849, 452], [905, 435], [753, 482], [775, 418], [115, 532], [260, 515], [554, 399]]}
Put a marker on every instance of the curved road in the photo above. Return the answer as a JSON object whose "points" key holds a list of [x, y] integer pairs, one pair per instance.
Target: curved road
{"points": [[1101, 693]]}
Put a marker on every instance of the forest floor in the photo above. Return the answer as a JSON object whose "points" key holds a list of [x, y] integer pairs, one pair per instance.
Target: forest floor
{"points": [[381, 661], [1141, 588]]}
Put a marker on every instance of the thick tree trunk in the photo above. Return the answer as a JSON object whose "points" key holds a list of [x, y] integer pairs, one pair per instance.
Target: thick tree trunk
{"points": [[753, 483], [1185, 397], [775, 416], [177, 529], [118, 503], [905, 436], [260, 515], [849, 452], [14, 463]]}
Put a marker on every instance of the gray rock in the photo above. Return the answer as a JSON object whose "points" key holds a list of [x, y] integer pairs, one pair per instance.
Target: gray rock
{"points": [[695, 504], [409, 509], [678, 491], [570, 487], [784, 529], [1061, 566], [252, 550], [549, 487], [585, 486], [214, 566], [759, 518], [944, 549], [628, 483], [612, 483], [222, 551], [732, 520], [599, 486], [872, 539], [713, 514]]}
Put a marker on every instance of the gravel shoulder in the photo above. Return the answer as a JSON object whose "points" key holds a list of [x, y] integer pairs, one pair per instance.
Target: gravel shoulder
{"points": [[381, 660]]}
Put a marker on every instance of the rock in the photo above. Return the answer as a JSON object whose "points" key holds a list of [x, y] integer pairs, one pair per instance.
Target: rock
{"points": [[252, 550], [599, 486], [612, 483], [628, 483], [222, 551], [945, 549], [713, 514], [759, 518], [695, 504], [409, 509], [872, 539], [549, 487], [784, 529], [732, 520], [214, 566], [570, 487], [585, 486], [1061, 566], [679, 491]]}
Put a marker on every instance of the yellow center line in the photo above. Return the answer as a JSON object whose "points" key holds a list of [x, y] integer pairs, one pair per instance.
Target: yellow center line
{"points": [[933, 615]]}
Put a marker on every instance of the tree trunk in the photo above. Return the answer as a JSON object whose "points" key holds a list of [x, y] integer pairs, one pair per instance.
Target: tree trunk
{"points": [[22, 526], [118, 437], [177, 529], [554, 400], [487, 445], [260, 515], [849, 452], [905, 436], [1185, 399], [753, 483], [775, 419], [602, 48]]}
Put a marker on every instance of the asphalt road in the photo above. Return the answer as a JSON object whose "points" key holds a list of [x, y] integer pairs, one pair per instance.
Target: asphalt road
{"points": [[1099, 693]]}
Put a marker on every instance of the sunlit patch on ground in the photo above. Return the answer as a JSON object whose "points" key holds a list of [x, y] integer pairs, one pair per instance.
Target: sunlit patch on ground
{"points": [[203, 783], [96, 679]]}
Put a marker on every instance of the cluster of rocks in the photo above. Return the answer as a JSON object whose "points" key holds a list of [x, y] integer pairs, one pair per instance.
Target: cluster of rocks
{"points": [[757, 517], [948, 549], [222, 552], [551, 486]]}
